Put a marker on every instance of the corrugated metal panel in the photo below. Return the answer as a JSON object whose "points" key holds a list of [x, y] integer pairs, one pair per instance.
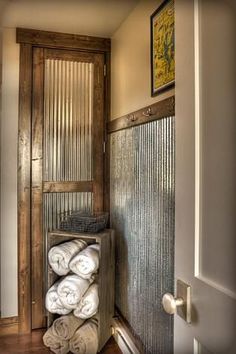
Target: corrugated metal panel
{"points": [[68, 120], [142, 213], [57, 204]]}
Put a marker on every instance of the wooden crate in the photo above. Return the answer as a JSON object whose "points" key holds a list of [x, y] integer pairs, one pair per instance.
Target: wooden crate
{"points": [[105, 276]]}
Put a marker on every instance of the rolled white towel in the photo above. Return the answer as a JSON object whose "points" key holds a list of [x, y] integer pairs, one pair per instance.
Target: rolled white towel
{"points": [[52, 302], [86, 263], [85, 339], [60, 256], [88, 305], [71, 289]]}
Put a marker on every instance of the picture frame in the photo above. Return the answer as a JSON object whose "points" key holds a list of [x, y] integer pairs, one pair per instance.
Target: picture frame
{"points": [[162, 23]]}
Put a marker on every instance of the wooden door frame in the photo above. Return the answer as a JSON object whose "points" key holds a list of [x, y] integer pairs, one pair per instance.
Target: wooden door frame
{"points": [[28, 39]]}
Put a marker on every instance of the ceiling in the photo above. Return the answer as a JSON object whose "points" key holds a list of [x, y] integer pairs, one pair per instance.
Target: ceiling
{"points": [[90, 17]]}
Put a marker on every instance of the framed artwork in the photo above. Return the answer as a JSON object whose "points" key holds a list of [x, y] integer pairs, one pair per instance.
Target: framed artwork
{"points": [[163, 47]]}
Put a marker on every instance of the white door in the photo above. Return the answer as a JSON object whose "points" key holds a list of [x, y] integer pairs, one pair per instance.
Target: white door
{"points": [[205, 255]]}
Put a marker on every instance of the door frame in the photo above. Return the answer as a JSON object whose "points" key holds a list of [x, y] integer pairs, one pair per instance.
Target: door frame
{"points": [[29, 39]]}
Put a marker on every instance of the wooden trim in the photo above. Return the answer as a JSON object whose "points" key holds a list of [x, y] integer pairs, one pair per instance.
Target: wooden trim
{"points": [[9, 325], [107, 107], [24, 189], [69, 55], [6, 321], [64, 187], [37, 242], [62, 40], [158, 110], [98, 133]]}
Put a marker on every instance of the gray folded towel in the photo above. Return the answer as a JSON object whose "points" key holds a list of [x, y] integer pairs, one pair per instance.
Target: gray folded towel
{"points": [[56, 344], [85, 339], [64, 327]]}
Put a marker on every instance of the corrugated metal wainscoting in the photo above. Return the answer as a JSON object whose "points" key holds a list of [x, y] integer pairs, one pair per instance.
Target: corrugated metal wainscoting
{"points": [[142, 213]]}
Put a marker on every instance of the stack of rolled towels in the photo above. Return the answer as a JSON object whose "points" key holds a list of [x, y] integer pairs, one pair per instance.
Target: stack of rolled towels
{"points": [[75, 296]]}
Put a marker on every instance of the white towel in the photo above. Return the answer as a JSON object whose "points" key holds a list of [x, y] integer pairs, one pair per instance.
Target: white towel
{"points": [[88, 305], [60, 256], [71, 289], [53, 303], [64, 327], [86, 263], [85, 339], [56, 344]]}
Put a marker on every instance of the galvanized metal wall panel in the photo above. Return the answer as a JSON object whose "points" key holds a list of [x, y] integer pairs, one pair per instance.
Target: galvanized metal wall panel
{"points": [[67, 139], [56, 205], [68, 120], [142, 213]]}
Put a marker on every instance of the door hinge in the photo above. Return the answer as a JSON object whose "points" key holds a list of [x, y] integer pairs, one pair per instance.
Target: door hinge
{"points": [[105, 70], [104, 147]]}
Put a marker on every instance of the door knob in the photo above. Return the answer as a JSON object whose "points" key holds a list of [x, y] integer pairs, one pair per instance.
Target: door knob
{"points": [[170, 303], [181, 304]]}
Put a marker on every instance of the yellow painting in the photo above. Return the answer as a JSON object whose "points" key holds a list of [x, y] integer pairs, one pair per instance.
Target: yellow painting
{"points": [[163, 47]]}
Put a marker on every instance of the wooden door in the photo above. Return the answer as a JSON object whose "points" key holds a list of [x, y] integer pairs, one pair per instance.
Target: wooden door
{"points": [[67, 148], [205, 175]]}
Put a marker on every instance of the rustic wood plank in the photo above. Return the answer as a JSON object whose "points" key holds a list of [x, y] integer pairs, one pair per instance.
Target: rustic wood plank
{"points": [[69, 186], [106, 288], [107, 112], [104, 284], [98, 132], [158, 110], [62, 40], [69, 55], [24, 189], [37, 242], [112, 275]]}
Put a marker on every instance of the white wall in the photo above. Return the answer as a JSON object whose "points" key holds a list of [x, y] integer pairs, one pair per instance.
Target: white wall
{"points": [[130, 64]]}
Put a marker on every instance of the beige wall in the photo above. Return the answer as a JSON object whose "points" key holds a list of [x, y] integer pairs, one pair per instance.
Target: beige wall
{"points": [[9, 132], [93, 17], [130, 70]]}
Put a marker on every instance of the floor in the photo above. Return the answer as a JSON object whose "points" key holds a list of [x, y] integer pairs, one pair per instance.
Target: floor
{"points": [[32, 343]]}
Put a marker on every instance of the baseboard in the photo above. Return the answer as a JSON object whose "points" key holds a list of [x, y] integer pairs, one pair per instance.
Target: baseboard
{"points": [[124, 338], [9, 325]]}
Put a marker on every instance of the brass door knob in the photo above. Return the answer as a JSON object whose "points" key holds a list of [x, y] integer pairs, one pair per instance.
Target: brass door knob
{"points": [[170, 303]]}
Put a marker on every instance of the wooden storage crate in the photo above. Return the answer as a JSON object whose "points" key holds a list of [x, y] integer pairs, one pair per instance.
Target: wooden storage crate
{"points": [[105, 277]]}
